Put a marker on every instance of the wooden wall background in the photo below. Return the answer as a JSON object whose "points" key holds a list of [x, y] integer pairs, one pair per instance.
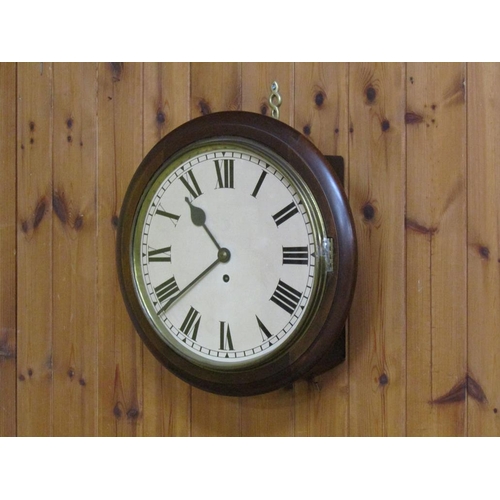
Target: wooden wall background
{"points": [[421, 145]]}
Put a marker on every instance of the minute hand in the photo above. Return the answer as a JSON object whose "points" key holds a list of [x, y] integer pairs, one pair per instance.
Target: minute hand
{"points": [[189, 286], [223, 256]]}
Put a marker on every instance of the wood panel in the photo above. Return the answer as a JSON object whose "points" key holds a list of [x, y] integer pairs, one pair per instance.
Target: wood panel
{"points": [[422, 177], [436, 224], [167, 400], [321, 97], [74, 249], [483, 243], [377, 194], [8, 249], [34, 251], [120, 151], [214, 87]]}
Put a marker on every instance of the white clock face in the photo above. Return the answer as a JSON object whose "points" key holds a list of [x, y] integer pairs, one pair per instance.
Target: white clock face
{"points": [[227, 254]]}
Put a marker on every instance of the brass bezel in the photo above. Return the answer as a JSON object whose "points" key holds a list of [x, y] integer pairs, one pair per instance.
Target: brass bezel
{"points": [[166, 170]]}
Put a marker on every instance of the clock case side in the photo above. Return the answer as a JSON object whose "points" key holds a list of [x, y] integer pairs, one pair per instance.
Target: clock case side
{"points": [[332, 340], [323, 350], [337, 354]]}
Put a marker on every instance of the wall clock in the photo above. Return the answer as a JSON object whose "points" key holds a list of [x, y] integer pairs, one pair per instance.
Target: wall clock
{"points": [[236, 254]]}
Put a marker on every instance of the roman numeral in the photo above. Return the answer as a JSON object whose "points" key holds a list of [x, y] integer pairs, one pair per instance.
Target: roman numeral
{"points": [[160, 255], [259, 183], [174, 218], [286, 297], [226, 342], [166, 290], [295, 255], [225, 175], [189, 180], [266, 334], [284, 214], [191, 324]]}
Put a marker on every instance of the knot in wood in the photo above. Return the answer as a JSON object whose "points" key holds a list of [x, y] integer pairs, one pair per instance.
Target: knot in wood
{"points": [[368, 211], [133, 413], [371, 94], [319, 99], [117, 412], [78, 223], [484, 252], [160, 117], [204, 107]]}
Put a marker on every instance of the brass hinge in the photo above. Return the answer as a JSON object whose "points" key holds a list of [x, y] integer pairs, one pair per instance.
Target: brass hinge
{"points": [[328, 253]]}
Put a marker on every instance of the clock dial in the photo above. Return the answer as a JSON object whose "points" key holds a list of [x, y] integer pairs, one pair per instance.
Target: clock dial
{"points": [[227, 254], [236, 254]]}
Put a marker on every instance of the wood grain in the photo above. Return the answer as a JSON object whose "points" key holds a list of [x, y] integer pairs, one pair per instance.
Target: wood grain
{"points": [[321, 104], [214, 87], [34, 250], [436, 224], [422, 177], [8, 200], [74, 249], [321, 95], [483, 244], [377, 194], [167, 400], [120, 150]]}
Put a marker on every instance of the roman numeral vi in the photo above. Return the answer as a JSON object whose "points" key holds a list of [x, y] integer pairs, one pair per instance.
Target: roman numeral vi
{"points": [[226, 341]]}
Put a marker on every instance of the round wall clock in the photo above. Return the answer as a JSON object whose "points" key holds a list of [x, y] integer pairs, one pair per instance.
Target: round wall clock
{"points": [[236, 254]]}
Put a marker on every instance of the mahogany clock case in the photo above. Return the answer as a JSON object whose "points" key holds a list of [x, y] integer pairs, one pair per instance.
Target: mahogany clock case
{"points": [[321, 339]]}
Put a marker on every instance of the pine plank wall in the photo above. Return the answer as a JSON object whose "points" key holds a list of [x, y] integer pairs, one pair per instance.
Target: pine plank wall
{"points": [[421, 147]]}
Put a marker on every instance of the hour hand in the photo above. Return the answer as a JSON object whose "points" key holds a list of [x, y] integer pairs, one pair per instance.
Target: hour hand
{"points": [[198, 218]]}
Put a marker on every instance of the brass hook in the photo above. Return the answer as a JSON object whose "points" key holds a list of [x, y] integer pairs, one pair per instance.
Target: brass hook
{"points": [[275, 100]]}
